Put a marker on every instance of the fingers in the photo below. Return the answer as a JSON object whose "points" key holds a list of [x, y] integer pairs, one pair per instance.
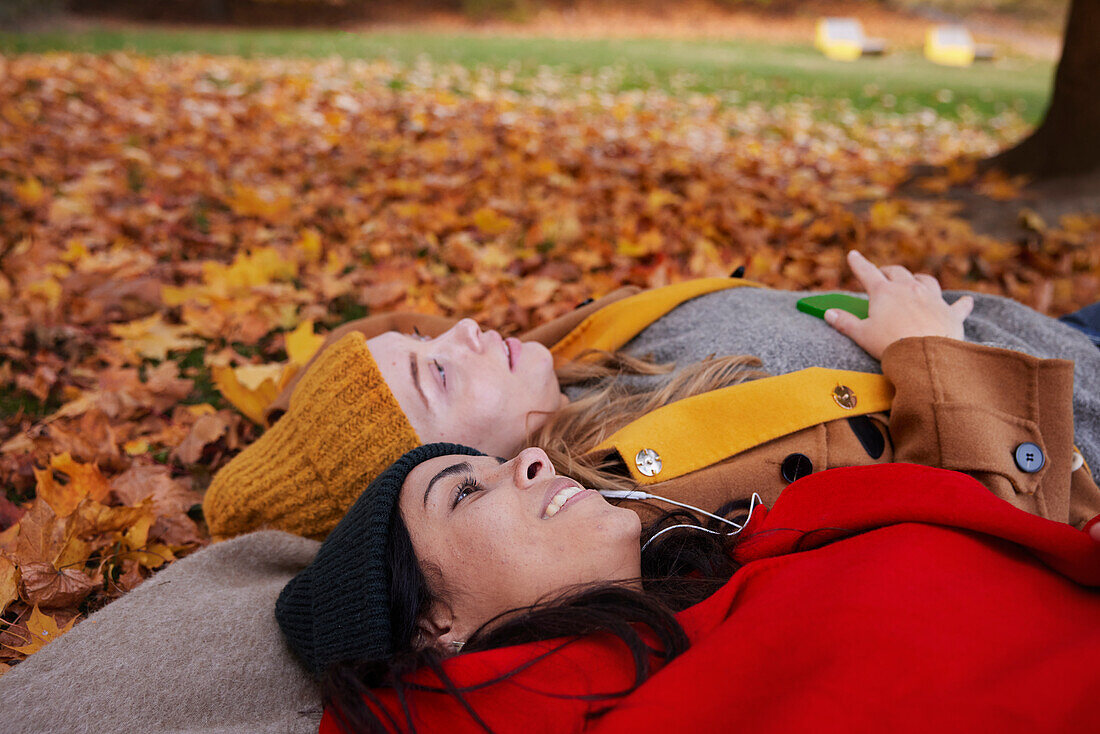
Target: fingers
{"points": [[847, 324], [962, 307], [865, 271], [897, 273], [929, 282]]}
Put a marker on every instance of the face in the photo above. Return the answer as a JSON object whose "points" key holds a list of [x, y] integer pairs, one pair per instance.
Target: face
{"points": [[507, 535], [470, 386]]}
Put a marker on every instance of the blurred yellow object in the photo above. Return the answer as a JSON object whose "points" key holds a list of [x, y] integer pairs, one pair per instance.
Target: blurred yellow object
{"points": [[952, 45], [842, 39]]}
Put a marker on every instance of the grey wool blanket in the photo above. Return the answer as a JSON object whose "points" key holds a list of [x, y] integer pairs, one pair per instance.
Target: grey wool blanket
{"points": [[194, 649]]}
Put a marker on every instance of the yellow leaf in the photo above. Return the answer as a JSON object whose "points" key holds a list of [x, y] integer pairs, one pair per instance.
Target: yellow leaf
{"points": [[152, 338], [302, 343], [1030, 219], [659, 197], [30, 192], [177, 296], [200, 409], [75, 250], [137, 535], [43, 630], [649, 243], [48, 289], [1079, 223], [491, 222], [9, 582], [884, 213], [254, 376], [310, 245], [250, 389], [154, 556], [86, 477], [630, 248], [62, 498], [996, 251], [94, 518], [136, 447], [265, 204]]}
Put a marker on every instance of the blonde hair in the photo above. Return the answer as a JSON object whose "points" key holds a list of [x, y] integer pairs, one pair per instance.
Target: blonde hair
{"points": [[569, 435]]}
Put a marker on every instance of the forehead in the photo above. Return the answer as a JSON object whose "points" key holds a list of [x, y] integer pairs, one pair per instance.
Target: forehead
{"points": [[388, 345], [416, 483]]}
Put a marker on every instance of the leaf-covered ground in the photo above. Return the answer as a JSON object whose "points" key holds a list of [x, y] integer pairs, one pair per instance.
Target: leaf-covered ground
{"points": [[173, 232]]}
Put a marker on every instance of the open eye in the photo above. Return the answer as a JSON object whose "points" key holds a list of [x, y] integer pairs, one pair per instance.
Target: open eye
{"points": [[468, 486]]}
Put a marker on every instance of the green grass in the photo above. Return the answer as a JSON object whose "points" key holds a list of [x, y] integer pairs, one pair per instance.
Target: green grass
{"points": [[754, 70]]}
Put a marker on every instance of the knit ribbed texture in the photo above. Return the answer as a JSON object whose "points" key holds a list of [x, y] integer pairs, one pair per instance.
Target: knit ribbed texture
{"points": [[343, 428], [338, 608]]}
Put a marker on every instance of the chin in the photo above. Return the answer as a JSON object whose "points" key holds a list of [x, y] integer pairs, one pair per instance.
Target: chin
{"points": [[621, 522]]}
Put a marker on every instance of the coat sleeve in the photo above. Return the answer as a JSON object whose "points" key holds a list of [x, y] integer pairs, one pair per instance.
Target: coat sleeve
{"points": [[1004, 417]]}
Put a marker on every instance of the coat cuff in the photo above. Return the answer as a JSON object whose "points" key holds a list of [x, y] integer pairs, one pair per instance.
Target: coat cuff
{"points": [[970, 408]]}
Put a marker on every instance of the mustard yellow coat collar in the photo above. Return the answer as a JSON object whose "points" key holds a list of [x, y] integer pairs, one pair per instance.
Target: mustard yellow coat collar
{"points": [[702, 430]]}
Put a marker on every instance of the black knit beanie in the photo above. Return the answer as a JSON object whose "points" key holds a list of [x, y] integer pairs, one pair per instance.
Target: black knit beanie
{"points": [[338, 607]]}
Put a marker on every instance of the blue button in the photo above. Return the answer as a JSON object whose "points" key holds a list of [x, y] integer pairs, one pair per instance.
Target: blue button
{"points": [[1029, 457]]}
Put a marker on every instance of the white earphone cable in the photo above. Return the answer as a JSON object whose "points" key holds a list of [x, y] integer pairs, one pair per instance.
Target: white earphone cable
{"points": [[637, 494]]}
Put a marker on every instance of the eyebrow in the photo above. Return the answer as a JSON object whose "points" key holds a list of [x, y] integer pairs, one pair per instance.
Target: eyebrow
{"points": [[414, 370], [459, 468]]}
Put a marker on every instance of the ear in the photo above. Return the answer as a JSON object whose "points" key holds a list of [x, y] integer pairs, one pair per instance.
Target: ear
{"points": [[435, 628]]}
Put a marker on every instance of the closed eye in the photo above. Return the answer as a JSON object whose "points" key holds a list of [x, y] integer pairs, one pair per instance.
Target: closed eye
{"points": [[442, 372]]}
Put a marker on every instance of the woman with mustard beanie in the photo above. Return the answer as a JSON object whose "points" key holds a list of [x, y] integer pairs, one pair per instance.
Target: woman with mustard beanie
{"points": [[467, 593], [995, 397]]}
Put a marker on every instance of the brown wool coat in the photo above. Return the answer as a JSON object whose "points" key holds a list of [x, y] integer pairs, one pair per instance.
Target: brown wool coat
{"points": [[957, 406]]}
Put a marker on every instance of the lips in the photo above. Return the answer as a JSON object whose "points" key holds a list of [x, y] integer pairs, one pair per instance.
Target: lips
{"points": [[561, 493], [514, 347]]}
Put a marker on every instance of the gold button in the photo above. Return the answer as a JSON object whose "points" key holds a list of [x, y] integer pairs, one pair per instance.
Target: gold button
{"points": [[844, 397], [648, 462]]}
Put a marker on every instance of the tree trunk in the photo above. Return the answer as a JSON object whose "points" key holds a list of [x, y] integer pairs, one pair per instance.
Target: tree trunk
{"points": [[1068, 140], [216, 11]]}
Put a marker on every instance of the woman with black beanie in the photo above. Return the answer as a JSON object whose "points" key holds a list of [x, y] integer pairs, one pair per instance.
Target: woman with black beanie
{"points": [[465, 592]]}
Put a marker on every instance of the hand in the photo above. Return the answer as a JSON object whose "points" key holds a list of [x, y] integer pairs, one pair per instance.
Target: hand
{"points": [[900, 305]]}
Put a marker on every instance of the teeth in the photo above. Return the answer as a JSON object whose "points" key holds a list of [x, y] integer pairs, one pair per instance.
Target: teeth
{"points": [[560, 499]]}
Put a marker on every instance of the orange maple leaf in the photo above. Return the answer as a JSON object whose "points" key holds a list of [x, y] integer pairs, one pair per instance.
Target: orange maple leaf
{"points": [[42, 630]]}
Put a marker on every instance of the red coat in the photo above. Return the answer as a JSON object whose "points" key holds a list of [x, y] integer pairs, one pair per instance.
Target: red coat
{"points": [[882, 598]]}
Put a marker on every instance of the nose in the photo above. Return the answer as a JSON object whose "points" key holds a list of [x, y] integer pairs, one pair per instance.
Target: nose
{"points": [[530, 466], [467, 333]]}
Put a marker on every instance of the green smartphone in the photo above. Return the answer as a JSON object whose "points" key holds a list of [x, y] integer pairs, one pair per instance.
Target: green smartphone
{"points": [[819, 304]]}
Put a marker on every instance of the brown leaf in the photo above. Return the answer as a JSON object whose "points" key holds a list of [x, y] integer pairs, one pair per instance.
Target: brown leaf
{"points": [[154, 481], [9, 513], [176, 530], [41, 535], [39, 384], [49, 587], [90, 438], [382, 294], [207, 429]]}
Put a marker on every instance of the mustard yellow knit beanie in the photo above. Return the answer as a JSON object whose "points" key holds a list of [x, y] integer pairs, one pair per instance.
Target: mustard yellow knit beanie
{"points": [[344, 427]]}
